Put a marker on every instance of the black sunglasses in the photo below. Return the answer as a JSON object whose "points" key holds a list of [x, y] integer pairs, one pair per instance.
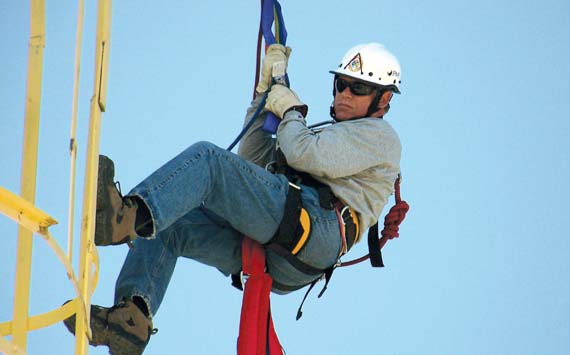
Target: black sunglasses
{"points": [[356, 87]]}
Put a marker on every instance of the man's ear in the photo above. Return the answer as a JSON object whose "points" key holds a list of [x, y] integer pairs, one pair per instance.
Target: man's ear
{"points": [[383, 104], [385, 99]]}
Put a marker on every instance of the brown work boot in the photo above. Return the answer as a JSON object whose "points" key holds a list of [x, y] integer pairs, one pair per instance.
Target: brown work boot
{"points": [[123, 328], [116, 215]]}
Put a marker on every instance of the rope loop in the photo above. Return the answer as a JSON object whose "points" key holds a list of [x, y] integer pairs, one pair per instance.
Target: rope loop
{"points": [[396, 215], [393, 219]]}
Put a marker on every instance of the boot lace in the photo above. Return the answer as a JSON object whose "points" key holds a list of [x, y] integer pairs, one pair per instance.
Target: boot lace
{"points": [[125, 201]]}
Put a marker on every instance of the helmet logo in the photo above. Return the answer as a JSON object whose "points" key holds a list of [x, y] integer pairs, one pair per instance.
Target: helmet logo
{"points": [[393, 72], [355, 64]]}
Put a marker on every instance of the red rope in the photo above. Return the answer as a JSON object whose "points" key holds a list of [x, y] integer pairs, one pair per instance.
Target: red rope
{"points": [[395, 217], [258, 56], [392, 222]]}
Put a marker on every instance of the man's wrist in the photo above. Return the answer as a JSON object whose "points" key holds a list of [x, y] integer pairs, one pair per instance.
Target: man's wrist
{"points": [[301, 109]]}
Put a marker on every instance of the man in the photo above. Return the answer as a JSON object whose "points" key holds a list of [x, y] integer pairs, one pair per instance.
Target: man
{"points": [[202, 203]]}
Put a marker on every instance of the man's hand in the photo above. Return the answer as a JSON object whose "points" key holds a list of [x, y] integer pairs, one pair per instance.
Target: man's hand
{"points": [[282, 99], [274, 64]]}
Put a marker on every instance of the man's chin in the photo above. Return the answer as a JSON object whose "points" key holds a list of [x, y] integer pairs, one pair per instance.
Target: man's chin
{"points": [[341, 116]]}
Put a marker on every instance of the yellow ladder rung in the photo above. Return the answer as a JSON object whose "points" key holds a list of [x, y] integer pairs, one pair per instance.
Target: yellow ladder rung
{"points": [[24, 212], [46, 319], [8, 348]]}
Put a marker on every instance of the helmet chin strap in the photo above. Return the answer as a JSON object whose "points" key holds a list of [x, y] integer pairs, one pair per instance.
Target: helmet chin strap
{"points": [[374, 104]]}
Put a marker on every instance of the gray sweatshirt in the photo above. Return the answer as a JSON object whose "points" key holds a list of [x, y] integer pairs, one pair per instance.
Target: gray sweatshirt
{"points": [[358, 159]]}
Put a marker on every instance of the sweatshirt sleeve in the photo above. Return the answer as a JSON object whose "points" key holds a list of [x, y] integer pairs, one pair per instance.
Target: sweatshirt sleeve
{"points": [[257, 145], [343, 149]]}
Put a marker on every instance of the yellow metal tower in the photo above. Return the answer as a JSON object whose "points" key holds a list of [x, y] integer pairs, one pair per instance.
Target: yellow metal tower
{"points": [[32, 220]]}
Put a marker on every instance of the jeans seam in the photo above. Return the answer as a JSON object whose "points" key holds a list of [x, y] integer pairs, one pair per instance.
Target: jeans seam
{"points": [[185, 164], [212, 152], [246, 169]]}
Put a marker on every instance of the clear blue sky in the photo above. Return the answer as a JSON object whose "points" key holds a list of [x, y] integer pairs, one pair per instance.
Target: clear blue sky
{"points": [[482, 263]]}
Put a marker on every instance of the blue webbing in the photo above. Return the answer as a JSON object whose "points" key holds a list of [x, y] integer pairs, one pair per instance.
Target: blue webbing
{"points": [[249, 124], [270, 12]]}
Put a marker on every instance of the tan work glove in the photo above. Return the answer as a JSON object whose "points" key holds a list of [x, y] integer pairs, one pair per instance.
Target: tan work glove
{"points": [[274, 64], [282, 99]]}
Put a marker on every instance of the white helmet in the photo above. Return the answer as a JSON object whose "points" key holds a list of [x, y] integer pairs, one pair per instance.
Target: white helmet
{"points": [[371, 63]]}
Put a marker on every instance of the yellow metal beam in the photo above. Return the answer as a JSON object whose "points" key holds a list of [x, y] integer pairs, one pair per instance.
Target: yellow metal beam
{"points": [[29, 169], [73, 135], [24, 212], [46, 319], [76, 306], [33, 220], [8, 348], [87, 246]]}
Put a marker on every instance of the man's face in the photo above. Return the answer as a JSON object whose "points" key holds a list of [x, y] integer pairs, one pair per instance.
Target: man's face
{"points": [[347, 104]]}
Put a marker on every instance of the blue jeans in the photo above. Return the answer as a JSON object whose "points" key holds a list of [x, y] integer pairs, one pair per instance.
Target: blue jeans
{"points": [[202, 203]]}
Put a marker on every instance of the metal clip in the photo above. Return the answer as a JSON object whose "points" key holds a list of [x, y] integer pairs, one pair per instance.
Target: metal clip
{"points": [[295, 186], [344, 209], [243, 277]]}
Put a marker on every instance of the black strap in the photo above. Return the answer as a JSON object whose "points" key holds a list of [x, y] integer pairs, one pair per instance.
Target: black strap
{"points": [[327, 199], [290, 229], [328, 275], [349, 229], [236, 281], [374, 247], [286, 288], [293, 260], [300, 309]]}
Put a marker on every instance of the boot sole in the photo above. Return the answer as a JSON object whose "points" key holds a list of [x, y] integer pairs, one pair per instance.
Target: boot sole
{"points": [[99, 329], [113, 336], [105, 177]]}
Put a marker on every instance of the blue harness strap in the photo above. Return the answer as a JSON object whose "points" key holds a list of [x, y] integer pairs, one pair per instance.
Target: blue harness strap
{"points": [[270, 13]]}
